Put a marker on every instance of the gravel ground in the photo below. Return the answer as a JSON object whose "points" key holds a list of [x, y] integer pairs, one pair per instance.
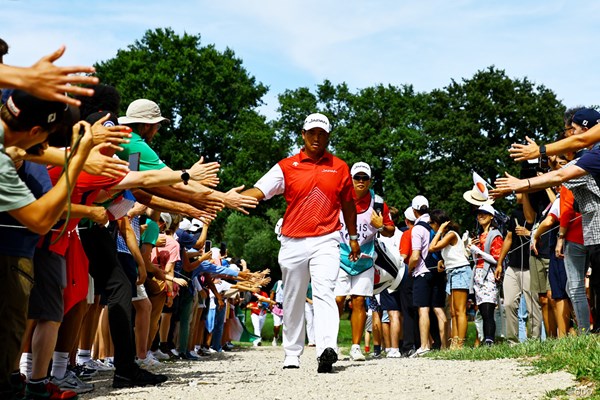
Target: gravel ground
{"points": [[247, 373]]}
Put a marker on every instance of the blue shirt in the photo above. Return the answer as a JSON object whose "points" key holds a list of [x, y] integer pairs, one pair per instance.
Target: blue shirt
{"points": [[15, 239], [590, 163], [121, 243]]}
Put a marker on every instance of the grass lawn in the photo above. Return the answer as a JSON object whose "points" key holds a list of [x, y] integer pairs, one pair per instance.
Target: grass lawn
{"points": [[344, 336], [578, 355]]}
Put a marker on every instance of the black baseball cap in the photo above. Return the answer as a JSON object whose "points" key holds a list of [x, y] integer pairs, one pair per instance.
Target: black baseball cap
{"points": [[33, 111]]}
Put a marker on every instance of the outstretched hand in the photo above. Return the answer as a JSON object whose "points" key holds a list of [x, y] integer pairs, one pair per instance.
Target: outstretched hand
{"points": [[237, 201], [113, 134], [100, 164], [50, 82], [522, 152], [505, 186], [204, 172]]}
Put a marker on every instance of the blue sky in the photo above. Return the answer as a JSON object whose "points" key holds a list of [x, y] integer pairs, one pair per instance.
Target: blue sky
{"points": [[289, 44]]}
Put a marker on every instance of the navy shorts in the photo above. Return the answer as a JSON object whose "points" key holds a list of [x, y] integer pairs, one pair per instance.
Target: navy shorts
{"points": [[558, 278], [46, 300], [429, 290], [390, 301]]}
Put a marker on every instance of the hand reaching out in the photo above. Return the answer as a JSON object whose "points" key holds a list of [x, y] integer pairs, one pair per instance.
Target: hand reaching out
{"points": [[204, 172], [236, 201], [50, 82], [522, 152]]}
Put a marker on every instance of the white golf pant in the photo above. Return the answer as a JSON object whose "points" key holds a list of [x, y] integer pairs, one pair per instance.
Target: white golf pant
{"points": [[316, 259], [258, 321], [309, 316]]}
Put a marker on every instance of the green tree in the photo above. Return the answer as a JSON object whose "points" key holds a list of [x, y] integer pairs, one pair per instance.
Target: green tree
{"points": [[469, 126], [379, 125], [254, 238], [210, 99]]}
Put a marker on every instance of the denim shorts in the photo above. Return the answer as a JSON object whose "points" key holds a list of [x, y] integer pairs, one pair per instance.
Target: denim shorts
{"points": [[459, 278]]}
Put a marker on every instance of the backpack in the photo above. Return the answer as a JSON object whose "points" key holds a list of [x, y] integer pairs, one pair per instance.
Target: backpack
{"points": [[433, 257], [502, 222]]}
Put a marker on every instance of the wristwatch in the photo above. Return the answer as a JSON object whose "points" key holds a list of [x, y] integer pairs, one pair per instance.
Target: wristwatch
{"points": [[543, 150], [380, 229], [561, 235], [353, 237], [185, 176]]}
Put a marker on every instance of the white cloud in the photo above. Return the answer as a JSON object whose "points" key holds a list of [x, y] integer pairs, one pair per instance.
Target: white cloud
{"points": [[293, 44]]}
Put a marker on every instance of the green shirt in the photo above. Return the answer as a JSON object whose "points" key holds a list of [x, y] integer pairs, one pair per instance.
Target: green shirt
{"points": [[14, 193], [149, 160], [150, 235]]}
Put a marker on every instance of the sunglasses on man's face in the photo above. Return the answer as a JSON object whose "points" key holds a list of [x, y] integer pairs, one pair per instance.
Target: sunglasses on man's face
{"points": [[361, 178]]}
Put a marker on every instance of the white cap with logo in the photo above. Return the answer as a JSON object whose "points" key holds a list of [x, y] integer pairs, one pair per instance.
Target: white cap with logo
{"points": [[361, 167], [317, 120], [486, 208]]}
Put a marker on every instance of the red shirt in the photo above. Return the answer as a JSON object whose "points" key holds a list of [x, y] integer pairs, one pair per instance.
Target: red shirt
{"points": [[406, 244], [85, 192], [495, 248], [313, 190], [569, 218]]}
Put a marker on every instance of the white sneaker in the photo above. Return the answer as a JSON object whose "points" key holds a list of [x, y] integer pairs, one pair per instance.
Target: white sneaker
{"points": [[211, 351], [394, 353], [147, 363], [175, 352], [99, 366], [356, 354], [150, 355], [274, 342], [291, 362], [71, 382], [193, 353], [159, 355], [256, 343], [420, 351]]}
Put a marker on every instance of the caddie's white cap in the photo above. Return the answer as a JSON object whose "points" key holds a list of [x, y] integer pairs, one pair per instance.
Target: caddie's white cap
{"points": [[361, 167]]}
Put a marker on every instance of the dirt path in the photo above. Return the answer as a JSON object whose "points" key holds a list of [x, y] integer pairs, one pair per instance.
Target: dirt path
{"points": [[256, 373]]}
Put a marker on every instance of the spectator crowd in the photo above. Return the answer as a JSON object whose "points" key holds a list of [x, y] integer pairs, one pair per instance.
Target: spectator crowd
{"points": [[107, 266]]}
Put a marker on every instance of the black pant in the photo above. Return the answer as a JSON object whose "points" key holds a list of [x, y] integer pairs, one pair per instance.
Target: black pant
{"points": [[595, 285], [410, 327], [101, 250], [487, 311]]}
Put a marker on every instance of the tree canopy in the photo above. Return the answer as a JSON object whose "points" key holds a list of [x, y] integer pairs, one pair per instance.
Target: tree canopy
{"points": [[416, 143]]}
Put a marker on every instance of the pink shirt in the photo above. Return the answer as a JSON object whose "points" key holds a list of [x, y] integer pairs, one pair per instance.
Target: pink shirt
{"points": [[420, 241], [164, 255]]}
